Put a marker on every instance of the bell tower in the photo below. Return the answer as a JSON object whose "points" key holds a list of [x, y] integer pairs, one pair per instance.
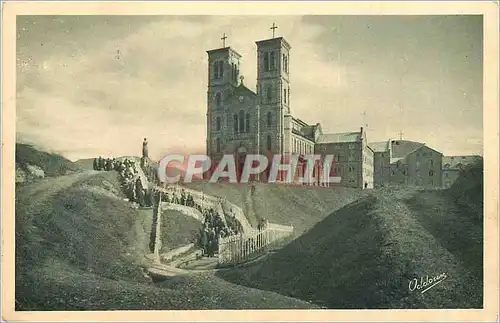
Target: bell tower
{"points": [[223, 77], [273, 89]]}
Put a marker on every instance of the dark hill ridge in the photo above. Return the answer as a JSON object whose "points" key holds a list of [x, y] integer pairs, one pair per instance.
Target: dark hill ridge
{"points": [[51, 164], [365, 254]]}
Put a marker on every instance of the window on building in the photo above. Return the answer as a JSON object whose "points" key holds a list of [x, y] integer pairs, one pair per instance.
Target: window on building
{"points": [[217, 144], [269, 118], [217, 99], [268, 142], [235, 117], [217, 123], [269, 92], [221, 69], [432, 162], [272, 60], [247, 122], [215, 70], [266, 62], [241, 118], [286, 64], [431, 173], [284, 95]]}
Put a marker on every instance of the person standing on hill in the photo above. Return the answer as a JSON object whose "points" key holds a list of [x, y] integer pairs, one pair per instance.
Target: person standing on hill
{"points": [[145, 148], [95, 166]]}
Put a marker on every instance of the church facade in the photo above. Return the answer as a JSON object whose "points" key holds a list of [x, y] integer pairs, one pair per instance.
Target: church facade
{"points": [[241, 121]]}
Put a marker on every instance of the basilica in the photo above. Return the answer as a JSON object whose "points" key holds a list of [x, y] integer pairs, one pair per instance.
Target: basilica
{"points": [[242, 121]]}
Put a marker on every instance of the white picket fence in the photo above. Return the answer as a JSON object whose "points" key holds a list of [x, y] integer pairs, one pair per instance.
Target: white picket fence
{"points": [[243, 247]]}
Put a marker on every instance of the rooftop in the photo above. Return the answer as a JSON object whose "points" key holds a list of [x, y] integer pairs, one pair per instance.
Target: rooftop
{"points": [[271, 40], [223, 49], [455, 162], [339, 137]]}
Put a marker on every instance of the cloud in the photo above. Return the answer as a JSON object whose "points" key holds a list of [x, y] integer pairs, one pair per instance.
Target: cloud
{"points": [[98, 85]]}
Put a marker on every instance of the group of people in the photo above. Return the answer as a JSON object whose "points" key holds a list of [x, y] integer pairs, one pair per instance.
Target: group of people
{"points": [[104, 163], [184, 198], [214, 227], [131, 182]]}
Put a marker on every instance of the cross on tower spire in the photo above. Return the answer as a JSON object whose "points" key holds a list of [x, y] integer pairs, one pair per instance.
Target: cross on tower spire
{"points": [[273, 28], [224, 37]]}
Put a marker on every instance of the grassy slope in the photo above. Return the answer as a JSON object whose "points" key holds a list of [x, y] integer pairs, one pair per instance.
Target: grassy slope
{"points": [[178, 229], [52, 164], [365, 254], [300, 206], [78, 246]]}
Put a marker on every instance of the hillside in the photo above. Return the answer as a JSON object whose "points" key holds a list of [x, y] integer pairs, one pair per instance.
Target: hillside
{"points": [[467, 191], [177, 230], [32, 164], [80, 246], [300, 206], [365, 254]]}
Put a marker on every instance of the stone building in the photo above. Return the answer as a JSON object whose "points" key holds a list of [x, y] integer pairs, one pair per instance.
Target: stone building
{"points": [[241, 121], [453, 165], [403, 162], [353, 157]]}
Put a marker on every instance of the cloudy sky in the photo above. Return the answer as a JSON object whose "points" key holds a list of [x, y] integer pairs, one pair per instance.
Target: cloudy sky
{"points": [[97, 85]]}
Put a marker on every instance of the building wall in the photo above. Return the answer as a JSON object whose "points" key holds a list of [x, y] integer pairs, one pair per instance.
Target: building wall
{"points": [[347, 164], [424, 168], [381, 168], [368, 160], [449, 177]]}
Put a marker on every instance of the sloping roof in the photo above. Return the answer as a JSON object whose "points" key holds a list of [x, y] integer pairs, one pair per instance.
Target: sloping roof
{"points": [[454, 162], [401, 148], [339, 137], [380, 146], [242, 89]]}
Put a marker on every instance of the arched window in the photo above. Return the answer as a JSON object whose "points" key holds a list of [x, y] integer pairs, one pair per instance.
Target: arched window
{"points": [[269, 92], [286, 64], [273, 62], [221, 69], [284, 95], [242, 121], [266, 62], [217, 123], [269, 142], [217, 144], [269, 118], [235, 117], [215, 70], [247, 122], [217, 99]]}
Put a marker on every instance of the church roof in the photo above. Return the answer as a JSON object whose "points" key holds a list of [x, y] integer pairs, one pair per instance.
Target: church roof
{"points": [[242, 90], [339, 137], [270, 40], [402, 148], [380, 146], [223, 49], [456, 162]]}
